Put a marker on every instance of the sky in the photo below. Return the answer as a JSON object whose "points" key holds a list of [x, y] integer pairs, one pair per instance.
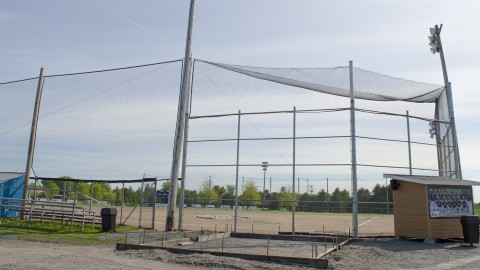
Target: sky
{"points": [[388, 37]]}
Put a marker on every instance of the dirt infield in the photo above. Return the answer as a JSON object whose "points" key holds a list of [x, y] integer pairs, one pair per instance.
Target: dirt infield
{"points": [[269, 222]]}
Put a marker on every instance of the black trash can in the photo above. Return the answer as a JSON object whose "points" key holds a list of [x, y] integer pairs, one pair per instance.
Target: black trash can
{"points": [[109, 218], [470, 228]]}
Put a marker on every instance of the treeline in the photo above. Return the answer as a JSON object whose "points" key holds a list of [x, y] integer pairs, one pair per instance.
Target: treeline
{"points": [[374, 201]]}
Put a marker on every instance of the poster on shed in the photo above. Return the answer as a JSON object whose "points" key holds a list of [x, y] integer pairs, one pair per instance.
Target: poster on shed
{"points": [[450, 202]]}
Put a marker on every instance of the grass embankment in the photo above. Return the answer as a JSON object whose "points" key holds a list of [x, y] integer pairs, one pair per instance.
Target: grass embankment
{"points": [[56, 232]]}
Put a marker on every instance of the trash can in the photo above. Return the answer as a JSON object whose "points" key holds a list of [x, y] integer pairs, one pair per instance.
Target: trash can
{"points": [[109, 218], [470, 228]]}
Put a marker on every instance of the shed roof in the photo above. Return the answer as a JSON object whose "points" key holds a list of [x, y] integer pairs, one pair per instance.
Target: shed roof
{"points": [[6, 176], [432, 180]]}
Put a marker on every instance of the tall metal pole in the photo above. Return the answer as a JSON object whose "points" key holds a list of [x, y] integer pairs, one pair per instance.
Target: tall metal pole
{"points": [[33, 134], [448, 89], [354, 156], [327, 186], [236, 173], [154, 208], [270, 189], [141, 204], [91, 198], [388, 201], [179, 131], [123, 202], [264, 178], [184, 156], [293, 169], [409, 144]]}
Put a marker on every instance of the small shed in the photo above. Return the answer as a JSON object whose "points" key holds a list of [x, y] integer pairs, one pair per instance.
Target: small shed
{"points": [[430, 207], [11, 187]]}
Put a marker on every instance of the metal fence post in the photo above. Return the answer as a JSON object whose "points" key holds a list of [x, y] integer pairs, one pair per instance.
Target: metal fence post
{"points": [[141, 204], [123, 202], [236, 172], [293, 171], [409, 144], [354, 155], [154, 203]]}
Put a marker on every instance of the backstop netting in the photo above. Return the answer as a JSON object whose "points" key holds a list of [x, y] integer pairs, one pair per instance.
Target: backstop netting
{"points": [[298, 120], [114, 124], [16, 113]]}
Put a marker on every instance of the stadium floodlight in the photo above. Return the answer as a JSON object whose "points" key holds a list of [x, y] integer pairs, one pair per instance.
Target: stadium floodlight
{"points": [[433, 39]]}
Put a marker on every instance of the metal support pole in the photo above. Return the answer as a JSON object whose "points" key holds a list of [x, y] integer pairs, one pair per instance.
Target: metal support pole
{"points": [[293, 169], [91, 198], [448, 89], [33, 136], [35, 189], [180, 127], [354, 156], [123, 202], [141, 204], [184, 156], [388, 201], [263, 199], [327, 186], [64, 199], [154, 208], [74, 205], [236, 173], [409, 144], [270, 189], [458, 167]]}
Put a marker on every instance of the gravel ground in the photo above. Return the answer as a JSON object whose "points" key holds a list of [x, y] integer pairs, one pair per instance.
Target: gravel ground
{"points": [[366, 254], [403, 254], [207, 261]]}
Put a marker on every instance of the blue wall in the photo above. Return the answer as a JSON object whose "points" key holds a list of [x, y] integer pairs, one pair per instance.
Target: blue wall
{"points": [[11, 189]]}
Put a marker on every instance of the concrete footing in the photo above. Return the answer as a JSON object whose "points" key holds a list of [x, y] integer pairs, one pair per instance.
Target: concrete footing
{"points": [[316, 263]]}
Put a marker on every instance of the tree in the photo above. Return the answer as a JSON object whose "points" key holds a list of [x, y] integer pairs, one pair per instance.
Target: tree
{"points": [[342, 200], [285, 197], [364, 195], [250, 195], [379, 193], [228, 197], [207, 194], [324, 196]]}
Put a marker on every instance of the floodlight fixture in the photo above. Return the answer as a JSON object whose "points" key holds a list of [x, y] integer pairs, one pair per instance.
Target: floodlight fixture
{"points": [[434, 39], [264, 165]]}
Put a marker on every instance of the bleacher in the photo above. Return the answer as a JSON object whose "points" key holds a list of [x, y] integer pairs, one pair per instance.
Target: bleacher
{"points": [[44, 211]]}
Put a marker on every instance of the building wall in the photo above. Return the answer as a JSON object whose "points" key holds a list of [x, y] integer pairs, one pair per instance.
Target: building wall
{"points": [[11, 189], [410, 210], [412, 218]]}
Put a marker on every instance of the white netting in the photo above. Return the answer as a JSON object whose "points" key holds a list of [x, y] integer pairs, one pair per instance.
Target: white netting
{"points": [[17, 101], [368, 85], [115, 124]]}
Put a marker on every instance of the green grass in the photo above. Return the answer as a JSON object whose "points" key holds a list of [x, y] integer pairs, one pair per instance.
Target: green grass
{"points": [[56, 232]]}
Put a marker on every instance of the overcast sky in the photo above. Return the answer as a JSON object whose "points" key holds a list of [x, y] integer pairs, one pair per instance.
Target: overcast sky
{"points": [[388, 37]]}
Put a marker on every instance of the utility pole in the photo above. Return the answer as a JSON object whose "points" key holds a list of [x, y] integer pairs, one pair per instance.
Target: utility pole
{"points": [[183, 106], [33, 135]]}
